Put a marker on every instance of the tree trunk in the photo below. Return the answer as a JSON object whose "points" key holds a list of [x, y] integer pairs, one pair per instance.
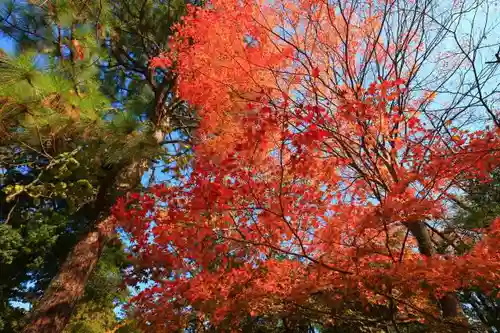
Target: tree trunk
{"points": [[56, 306], [53, 311], [449, 303]]}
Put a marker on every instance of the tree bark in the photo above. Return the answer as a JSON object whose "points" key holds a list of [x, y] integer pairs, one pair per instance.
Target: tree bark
{"points": [[54, 309], [450, 306], [56, 306]]}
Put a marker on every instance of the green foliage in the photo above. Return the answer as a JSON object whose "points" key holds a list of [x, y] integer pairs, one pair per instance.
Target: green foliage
{"points": [[10, 242], [481, 204], [47, 178]]}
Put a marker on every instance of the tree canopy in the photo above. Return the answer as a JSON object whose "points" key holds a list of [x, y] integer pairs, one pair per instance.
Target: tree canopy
{"points": [[253, 166], [327, 162]]}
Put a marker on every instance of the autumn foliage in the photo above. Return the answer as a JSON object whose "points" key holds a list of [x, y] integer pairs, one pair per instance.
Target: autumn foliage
{"points": [[317, 172]]}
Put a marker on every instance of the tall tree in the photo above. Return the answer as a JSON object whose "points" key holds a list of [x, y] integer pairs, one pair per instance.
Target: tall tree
{"points": [[324, 139], [47, 179]]}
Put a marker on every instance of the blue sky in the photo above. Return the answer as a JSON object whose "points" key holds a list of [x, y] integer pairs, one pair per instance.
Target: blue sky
{"points": [[7, 44]]}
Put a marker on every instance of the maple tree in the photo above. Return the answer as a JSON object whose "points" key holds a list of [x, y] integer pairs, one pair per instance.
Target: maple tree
{"points": [[323, 167]]}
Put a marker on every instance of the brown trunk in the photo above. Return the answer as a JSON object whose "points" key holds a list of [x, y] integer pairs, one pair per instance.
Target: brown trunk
{"points": [[53, 311], [449, 304], [55, 308]]}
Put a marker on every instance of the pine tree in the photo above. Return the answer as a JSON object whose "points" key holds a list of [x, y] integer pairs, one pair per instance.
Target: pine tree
{"points": [[45, 185], [82, 118]]}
